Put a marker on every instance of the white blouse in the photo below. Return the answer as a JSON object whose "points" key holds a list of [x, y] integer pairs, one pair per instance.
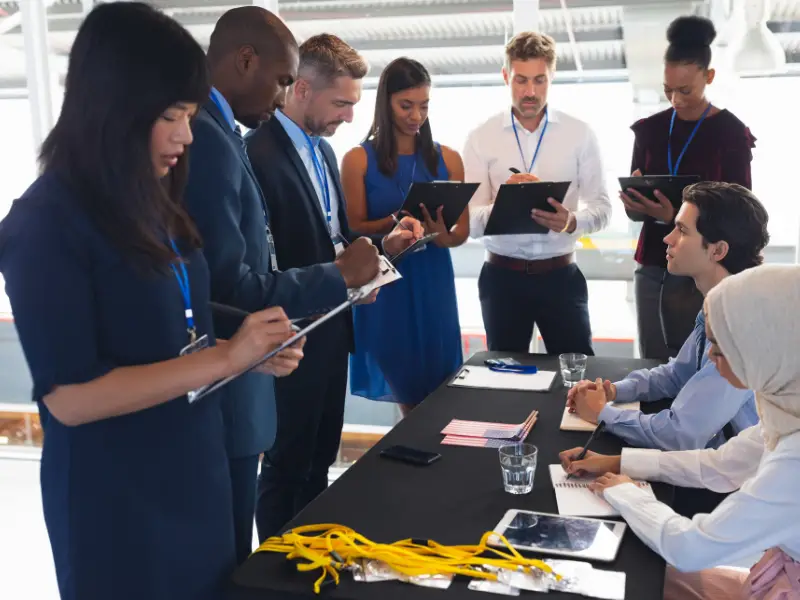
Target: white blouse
{"points": [[764, 512]]}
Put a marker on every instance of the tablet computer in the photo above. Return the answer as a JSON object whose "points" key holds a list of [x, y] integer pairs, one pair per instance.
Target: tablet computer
{"points": [[452, 195], [511, 213], [671, 186], [576, 537]]}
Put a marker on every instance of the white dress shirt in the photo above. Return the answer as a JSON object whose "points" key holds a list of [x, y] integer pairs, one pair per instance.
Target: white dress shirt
{"points": [[763, 512], [300, 142], [569, 152]]}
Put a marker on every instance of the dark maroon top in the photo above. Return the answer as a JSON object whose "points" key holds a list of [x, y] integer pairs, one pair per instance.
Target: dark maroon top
{"points": [[720, 151]]}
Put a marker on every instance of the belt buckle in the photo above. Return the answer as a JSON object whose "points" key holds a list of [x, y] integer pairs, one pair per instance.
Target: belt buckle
{"points": [[530, 267]]}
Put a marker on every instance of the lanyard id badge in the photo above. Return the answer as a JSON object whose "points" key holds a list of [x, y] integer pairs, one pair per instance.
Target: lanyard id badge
{"points": [[322, 180], [404, 195], [338, 244], [538, 144], [673, 170], [196, 344], [273, 257]]}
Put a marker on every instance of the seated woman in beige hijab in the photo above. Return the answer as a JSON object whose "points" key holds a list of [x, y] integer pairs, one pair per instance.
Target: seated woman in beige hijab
{"points": [[754, 330]]}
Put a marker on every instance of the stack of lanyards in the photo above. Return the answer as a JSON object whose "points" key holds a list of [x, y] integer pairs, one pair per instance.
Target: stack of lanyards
{"points": [[334, 548]]}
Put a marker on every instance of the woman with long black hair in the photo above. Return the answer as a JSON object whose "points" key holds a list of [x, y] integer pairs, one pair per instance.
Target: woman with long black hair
{"points": [[110, 292], [409, 341]]}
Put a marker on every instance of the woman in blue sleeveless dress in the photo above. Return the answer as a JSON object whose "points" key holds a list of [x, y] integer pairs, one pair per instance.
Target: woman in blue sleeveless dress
{"points": [[409, 341], [110, 296]]}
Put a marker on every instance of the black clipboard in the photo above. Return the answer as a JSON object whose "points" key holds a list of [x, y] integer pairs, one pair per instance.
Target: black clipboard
{"points": [[671, 186], [511, 213], [453, 195], [420, 243]]}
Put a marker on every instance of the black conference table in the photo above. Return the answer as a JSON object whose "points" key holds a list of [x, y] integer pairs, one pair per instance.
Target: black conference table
{"points": [[455, 500]]}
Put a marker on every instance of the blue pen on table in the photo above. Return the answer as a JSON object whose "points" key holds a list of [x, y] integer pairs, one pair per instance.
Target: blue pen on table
{"points": [[597, 431], [509, 365]]}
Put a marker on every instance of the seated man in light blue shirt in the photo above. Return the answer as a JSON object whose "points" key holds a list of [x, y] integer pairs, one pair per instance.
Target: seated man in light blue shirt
{"points": [[721, 229]]}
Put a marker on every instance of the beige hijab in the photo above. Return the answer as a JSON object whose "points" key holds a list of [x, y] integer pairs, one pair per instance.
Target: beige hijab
{"points": [[755, 318]]}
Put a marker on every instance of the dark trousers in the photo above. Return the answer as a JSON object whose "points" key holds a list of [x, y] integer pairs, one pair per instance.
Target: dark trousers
{"points": [[557, 302], [310, 406], [666, 309], [243, 482]]}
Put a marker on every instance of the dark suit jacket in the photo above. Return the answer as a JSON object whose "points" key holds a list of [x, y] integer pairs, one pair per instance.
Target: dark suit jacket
{"points": [[226, 203], [298, 221]]}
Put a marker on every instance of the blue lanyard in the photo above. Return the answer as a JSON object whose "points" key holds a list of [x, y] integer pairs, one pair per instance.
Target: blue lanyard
{"points": [[322, 178], [183, 283], [404, 194], [674, 171], [538, 144]]}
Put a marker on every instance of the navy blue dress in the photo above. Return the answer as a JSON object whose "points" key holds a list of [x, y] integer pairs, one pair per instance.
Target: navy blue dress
{"points": [[409, 340], [139, 506]]}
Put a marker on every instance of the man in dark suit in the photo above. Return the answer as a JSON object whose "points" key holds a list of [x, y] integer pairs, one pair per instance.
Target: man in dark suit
{"points": [[253, 57], [298, 172]]}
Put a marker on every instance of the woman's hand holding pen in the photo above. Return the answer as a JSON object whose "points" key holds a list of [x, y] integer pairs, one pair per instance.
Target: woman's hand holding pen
{"points": [[660, 209], [262, 332], [592, 464]]}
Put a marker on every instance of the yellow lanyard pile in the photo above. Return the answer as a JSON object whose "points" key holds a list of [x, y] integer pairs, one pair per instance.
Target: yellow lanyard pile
{"points": [[332, 548]]}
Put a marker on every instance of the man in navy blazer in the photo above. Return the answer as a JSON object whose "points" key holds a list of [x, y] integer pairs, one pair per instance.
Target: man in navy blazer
{"points": [[298, 171], [253, 57]]}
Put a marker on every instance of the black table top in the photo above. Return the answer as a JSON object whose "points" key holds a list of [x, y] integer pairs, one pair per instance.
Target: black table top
{"points": [[455, 500]]}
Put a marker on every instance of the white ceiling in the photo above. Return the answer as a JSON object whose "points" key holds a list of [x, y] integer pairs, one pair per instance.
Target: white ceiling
{"points": [[452, 37]]}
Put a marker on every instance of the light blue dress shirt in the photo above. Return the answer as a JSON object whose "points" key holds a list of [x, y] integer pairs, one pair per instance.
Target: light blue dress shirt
{"points": [[704, 403], [298, 137]]}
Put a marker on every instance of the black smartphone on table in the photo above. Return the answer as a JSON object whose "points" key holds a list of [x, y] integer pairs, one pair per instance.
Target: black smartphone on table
{"points": [[410, 455]]}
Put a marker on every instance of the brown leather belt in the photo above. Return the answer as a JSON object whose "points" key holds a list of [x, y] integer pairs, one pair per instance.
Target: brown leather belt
{"points": [[531, 267]]}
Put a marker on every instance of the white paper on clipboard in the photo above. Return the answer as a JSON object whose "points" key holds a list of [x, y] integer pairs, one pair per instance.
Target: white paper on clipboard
{"points": [[387, 273], [473, 376]]}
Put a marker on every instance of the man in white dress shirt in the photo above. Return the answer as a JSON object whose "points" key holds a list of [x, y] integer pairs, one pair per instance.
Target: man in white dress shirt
{"points": [[532, 278]]}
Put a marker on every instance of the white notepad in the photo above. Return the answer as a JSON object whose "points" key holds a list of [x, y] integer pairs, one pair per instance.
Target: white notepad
{"points": [[575, 499], [485, 378], [572, 422]]}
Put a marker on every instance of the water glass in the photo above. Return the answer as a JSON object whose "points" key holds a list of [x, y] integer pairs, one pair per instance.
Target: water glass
{"points": [[573, 368], [518, 462]]}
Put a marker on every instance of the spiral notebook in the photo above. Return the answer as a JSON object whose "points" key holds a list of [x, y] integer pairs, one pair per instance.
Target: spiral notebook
{"points": [[572, 422], [575, 499]]}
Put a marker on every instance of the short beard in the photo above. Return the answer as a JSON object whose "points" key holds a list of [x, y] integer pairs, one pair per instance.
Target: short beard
{"points": [[316, 129]]}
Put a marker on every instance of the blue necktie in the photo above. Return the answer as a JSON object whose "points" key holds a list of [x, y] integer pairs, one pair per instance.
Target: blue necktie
{"points": [[238, 131], [700, 338]]}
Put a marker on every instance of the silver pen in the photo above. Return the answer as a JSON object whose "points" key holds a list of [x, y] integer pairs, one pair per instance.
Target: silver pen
{"points": [[399, 222]]}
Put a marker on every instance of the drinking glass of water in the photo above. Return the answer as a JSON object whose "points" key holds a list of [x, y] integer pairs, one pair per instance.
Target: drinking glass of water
{"points": [[573, 368], [518, 462]]}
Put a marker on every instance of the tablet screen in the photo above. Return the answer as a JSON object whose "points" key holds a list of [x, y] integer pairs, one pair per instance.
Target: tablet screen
{"points": [[590, 538]]}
